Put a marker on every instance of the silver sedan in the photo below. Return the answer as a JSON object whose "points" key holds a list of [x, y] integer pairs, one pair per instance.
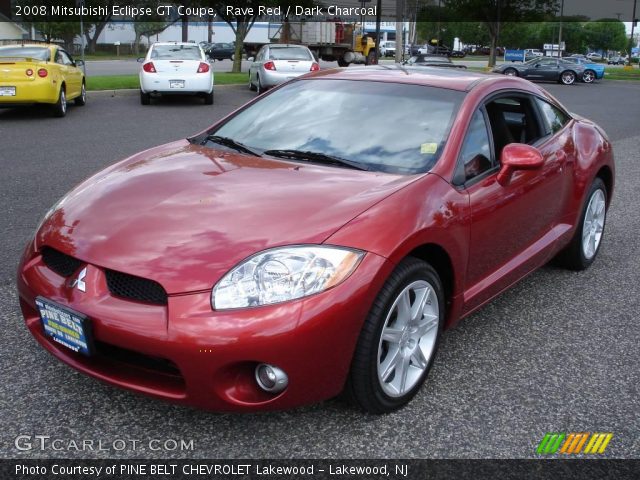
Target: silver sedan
{"points": [[277, 63]]}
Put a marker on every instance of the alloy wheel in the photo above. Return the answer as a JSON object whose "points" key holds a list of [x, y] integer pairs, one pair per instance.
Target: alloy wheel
{"points": [[593, 225]]}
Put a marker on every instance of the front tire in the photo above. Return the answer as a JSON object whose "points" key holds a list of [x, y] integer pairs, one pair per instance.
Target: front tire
{"points": [[511, 72], [567, 77], [60, 107], [586, 241], [252, 87], [82, 99], [399, 339], [260, 88], [588, 76]]}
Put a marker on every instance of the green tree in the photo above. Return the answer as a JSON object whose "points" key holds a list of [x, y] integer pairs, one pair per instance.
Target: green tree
{"points": [[606, 34], [494, 13]]}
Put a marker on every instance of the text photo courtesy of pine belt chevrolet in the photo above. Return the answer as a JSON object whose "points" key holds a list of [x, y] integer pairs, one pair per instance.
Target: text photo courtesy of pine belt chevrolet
{"points": [[175, 68], [40, 74], [280, 257]]}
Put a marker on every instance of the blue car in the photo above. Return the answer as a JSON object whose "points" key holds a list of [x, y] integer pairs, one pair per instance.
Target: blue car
{"points": [[592, 71]]}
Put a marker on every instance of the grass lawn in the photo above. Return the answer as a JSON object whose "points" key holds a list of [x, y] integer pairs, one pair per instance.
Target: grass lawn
{"points": [[119, 82]]}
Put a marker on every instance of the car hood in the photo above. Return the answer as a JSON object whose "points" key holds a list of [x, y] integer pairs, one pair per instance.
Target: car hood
{"points": [[183, 214]]}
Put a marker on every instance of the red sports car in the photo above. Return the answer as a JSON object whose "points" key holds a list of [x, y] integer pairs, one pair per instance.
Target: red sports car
{"points": [[317, 240]]}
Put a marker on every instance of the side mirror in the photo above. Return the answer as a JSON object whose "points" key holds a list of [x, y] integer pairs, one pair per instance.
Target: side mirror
{"points": [[250, 59], [140, 59], [79, 63], [518, 156]]}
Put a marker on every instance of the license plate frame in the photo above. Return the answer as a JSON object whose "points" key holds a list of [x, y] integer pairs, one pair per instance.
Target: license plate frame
{"points": [[66, 326], [176, 83], [7, 91]]}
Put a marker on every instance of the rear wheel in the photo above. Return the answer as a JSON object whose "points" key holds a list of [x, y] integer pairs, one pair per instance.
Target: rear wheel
{"points": [[145, 98], [260, 88], [588, 76], [585, 244], [512, 72], [399, 339], [82, 99], [208, 98], [60, 107], [342, 62], [567, 77]]}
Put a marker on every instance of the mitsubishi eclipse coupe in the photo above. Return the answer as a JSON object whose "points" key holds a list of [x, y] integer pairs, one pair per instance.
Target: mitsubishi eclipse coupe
{"points": [[317, 240]]}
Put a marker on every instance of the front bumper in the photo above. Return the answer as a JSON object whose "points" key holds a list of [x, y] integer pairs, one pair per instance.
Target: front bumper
{"points": [[187, 353]]}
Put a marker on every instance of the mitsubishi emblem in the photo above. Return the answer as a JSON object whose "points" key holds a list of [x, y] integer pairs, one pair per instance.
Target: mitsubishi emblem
{"points": [[79, 280]]}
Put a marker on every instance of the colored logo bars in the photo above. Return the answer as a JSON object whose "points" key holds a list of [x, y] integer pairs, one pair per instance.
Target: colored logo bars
{"points": [[573, 443]]}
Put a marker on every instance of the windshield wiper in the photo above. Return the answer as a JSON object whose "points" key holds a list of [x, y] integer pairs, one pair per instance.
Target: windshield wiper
{"points": [[316, 157], [231, 143]]}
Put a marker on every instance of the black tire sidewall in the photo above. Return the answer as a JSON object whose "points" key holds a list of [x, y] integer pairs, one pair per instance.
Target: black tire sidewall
{"points": [[367, 390]]}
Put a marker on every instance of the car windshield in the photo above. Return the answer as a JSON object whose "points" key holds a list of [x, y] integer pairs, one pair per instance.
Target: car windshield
{"points": [[391, 44], [39, 53], [386, 127], [289, 53], [175, 52]]}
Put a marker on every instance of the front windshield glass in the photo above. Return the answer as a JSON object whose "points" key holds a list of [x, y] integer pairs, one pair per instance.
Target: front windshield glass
{"points": [[388, 127]]}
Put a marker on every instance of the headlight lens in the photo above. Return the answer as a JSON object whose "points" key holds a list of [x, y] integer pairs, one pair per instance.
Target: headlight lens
{"points": [[283, 274]]}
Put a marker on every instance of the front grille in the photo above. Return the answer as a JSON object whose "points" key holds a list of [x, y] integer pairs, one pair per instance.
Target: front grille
{"points": [[136, 359], [59, 262], [135, 288]]}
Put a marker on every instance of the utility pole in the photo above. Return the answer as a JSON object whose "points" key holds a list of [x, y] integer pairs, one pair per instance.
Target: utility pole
{"points": [[633, 24], [560, 30], [399, 30], [82, 39], [378, 17]]}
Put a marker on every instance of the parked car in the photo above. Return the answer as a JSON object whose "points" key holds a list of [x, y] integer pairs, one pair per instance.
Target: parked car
{"points": [[221, 51], [275, 64], [432, 61], [282, 256], [175, 68], [434, 50], [387, 49], [40, 74], [616, 60], [532, 53], [457, 54], [544, 68], [594, 56], [592, 71]]}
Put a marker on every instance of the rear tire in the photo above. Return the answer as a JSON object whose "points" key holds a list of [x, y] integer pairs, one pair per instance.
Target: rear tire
{"points": [[208, 98], [342, 62], [588, 76], [145, 98], [399, 339], [82, 99], [586, 241], [60, 107], [260, 88], [511, 72]]}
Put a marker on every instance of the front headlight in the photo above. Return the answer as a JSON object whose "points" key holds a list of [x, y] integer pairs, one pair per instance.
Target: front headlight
{"points": [[283, 274]]}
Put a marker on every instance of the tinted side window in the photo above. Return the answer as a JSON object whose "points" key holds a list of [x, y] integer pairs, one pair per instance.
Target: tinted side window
{"points": [[554, 118], [475, 156]]}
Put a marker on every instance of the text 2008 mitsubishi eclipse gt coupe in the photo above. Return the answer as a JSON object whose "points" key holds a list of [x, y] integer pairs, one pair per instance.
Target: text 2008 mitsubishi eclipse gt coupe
{"points": [[317, 240]]}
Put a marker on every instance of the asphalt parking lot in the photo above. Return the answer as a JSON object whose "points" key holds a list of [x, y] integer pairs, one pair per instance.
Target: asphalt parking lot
{"points": [[557, 353]]}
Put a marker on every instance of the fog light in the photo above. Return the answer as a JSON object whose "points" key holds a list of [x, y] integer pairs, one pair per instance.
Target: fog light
{"points": [[271, 379]]}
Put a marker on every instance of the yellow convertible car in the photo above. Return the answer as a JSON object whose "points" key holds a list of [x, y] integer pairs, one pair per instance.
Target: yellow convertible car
{"points": [[43, 74]]}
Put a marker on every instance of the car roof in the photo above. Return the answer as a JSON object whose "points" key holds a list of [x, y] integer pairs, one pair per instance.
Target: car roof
{"points": [[175, 43], [461, 80]]}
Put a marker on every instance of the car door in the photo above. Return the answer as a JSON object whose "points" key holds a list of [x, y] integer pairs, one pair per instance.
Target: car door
{"points": [[71, 76], [255, 66], [512, 225]]}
